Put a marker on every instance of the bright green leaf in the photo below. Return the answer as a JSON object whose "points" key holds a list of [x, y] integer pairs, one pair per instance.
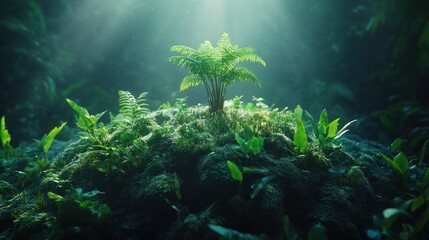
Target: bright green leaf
{"points": [[298, 112], [332, 128], [235, 171], [55, 197], [300, 136], [255, 145], [323, 122], [4, 133], [47, 141], [402, 162]]}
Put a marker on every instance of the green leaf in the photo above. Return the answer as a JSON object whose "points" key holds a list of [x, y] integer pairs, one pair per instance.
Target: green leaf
{"points": [[422, 220], [298, 112], [402, 162], [258, 187], [55, 197], [317, 232], [300, 136], [4, 133], [418, 203], [248, 132], [230, 234], [396, 144], [47, 141], [242, 144], [323, 122], [255, 145], [235, 171], [258, 170], [392, 212], [426, 178], [395, 167], [332, 128]]}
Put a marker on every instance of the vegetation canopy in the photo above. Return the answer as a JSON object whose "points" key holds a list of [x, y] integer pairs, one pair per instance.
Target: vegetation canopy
{"points": [[215, 67]]}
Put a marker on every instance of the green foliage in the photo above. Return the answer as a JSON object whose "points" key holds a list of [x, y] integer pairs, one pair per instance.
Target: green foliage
{"points": [[249, 144], [287, 228], [326, 133], [4, 133], [82, 202], [235, 171], [317, 232], [230, 234], [131, 107], [300, 136], [47, 140], [215, 67], [399, 164], [86, 121], [260, 185], [407, 218]]}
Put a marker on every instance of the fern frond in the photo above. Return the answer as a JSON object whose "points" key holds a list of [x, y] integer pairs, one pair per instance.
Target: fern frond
{"points": [[141, 105], [126, 103], [241, 74], [131, 107], [190, 81], [183, 50]]}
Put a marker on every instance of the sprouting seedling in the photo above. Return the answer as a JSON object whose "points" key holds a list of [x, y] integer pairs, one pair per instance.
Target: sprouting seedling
{"points": [[215, 68]]}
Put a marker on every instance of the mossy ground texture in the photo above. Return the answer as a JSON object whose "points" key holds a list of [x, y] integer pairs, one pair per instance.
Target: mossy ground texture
{"points": [[164, 175]]}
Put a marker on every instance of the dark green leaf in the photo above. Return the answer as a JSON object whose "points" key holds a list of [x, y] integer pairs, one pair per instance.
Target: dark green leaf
{"points": [[258, 187], [317, 232], [231, 234], [396, 144]]}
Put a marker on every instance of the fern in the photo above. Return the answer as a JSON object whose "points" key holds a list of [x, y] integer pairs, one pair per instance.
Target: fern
{"points": [[132, 108], [215, 67]]}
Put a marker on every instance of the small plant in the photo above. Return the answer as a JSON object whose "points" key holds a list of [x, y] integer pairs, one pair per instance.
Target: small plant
{"points": [[77, 204], [249, 144], [399, 164], [407, 219], [300, 135], [215, 67], [325, 132], [86, 121], [132, 108], [4, 134]]}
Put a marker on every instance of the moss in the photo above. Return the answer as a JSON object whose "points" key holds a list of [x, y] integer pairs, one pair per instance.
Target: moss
{"points": [[165, 169]]}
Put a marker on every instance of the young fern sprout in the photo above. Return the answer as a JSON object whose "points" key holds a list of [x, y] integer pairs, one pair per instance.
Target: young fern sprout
{"points": [[215, 67]]}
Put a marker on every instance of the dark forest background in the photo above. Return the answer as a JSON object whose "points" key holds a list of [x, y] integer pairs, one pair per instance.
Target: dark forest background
{"points": [[359, 59]]}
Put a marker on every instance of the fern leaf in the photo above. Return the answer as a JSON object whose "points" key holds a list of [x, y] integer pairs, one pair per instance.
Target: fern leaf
{"points": [[190, 81], [141, 105], [126, 103]]}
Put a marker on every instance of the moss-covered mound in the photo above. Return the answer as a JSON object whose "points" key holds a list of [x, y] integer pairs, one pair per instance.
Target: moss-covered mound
{"points": [[164, 175]]}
